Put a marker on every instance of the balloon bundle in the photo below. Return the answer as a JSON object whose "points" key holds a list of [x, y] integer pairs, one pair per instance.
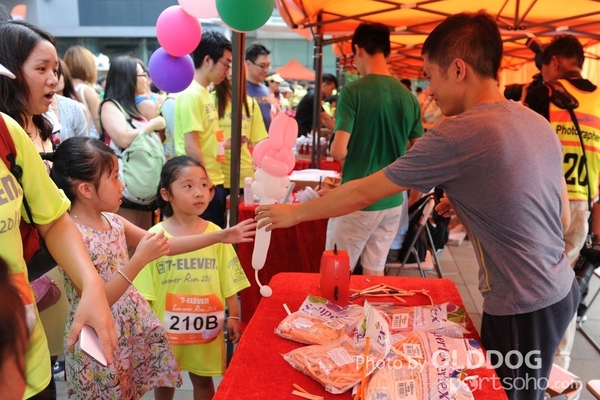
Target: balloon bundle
{"points": [[179, 31], [275, 160]]}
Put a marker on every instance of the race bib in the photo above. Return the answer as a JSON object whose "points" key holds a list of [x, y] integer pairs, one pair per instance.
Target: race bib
{"points": [[193, 319]]}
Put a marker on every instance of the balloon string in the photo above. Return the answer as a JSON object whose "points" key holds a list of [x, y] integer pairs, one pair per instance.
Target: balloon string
{"points": [[256, 277]]}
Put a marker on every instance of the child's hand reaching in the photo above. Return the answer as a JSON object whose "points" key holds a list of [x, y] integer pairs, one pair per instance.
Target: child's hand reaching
{"points": [[152, 246], [234, 331], [241, 233]]}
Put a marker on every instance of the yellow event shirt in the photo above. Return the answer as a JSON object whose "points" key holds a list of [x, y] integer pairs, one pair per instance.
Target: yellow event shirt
{"points": [[196, 112], [187, 292], [47, 204], [588, 116], [253, 128]]}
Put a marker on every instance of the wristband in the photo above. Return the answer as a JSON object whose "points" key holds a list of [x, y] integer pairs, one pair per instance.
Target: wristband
{"points": [[125, 277], [238, 318]]}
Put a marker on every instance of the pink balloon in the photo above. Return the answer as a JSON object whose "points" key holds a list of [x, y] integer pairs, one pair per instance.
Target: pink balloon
{"points": [[178, 32], [283, 131], [274, 167], [286, 156], [260, 150], [200, 8]]}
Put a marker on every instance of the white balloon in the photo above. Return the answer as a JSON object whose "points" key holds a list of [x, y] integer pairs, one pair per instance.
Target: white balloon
{"points": [[261, 175], [262, 240], [275, 191], [266, 291], [258, 188]]}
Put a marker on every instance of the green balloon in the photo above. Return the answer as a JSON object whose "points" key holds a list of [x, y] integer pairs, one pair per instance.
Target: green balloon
{"points": [[245, 15]]}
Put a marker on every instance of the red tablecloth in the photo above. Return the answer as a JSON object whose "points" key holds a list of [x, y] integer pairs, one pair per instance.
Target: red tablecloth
{"points": [[295, 249], [328, 165], [258, 370]]}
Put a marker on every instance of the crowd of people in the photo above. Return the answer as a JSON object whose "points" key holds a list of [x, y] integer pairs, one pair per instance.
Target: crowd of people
{"points": [[127, 274]]}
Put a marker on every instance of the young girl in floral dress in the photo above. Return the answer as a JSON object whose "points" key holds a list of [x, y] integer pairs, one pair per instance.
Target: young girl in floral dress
{"points": [[190, 292], [87, 170]]}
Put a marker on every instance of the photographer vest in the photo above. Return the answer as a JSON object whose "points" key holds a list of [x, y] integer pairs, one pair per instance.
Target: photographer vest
{"points": [[588, 116]]}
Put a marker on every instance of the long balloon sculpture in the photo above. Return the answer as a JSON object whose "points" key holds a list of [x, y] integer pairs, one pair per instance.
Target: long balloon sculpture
{"points": [[275, 160]]}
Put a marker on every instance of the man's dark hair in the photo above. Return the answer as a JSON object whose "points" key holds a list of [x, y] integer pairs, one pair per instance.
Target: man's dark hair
{"points": [[564, 46], [406, 82], [419, 89], [212, 44], [472, 37], [373, 38], [330, 78], [256, 50]]}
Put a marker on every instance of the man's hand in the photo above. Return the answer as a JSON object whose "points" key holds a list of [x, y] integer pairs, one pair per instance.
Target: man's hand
{"points": [[444, 208], [276, 216]]}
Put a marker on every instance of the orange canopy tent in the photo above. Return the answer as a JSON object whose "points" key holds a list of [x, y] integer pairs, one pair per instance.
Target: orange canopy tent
{"points": [[293, 70], [332, 21], [410, 21]]}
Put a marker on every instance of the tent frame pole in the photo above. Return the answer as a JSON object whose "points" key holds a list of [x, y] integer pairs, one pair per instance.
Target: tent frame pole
{"points": [[239, 52], [315, 161]]}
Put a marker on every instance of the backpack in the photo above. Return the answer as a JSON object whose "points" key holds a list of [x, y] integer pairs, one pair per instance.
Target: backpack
{"points": [[36, 254], [140, 164]]}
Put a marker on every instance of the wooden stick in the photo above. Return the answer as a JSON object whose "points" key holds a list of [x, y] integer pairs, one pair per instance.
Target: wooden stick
{"points": [[306, 395], [400, 299], [298, 387], [360, 394], [287, 309], [372, 287]]}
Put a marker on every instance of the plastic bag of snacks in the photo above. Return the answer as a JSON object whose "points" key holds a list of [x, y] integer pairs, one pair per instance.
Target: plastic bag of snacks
{"points": [[426, 365], [424, 318], [407, 384], [337, 365], [350, 316], [303, 328], [345, 362]]}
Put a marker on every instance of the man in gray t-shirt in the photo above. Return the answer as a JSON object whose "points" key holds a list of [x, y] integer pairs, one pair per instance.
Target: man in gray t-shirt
{"points": [[501, 167]]}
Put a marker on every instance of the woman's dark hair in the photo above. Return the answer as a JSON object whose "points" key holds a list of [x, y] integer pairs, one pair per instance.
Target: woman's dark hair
{"points": [[223, 96], [13, 329], [69, 89], [4, 14], [19, 38], [121, 82], [80, 159], [169, 174]]}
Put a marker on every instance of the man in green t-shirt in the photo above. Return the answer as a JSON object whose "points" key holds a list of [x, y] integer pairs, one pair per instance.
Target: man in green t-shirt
{"points": [[376, 118], [196, 119]]}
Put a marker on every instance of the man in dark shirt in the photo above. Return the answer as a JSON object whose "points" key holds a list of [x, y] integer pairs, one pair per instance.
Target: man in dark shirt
{"points": [[304, 111], [258, 63]]}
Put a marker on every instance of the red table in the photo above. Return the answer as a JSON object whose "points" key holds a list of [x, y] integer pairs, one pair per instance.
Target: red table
{"points": [[258, 370], [327, 165], [295, 249]]}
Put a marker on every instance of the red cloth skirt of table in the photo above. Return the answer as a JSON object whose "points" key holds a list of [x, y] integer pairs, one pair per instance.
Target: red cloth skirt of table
{"points": [[295, 249], [258, 370], [326, 165]]}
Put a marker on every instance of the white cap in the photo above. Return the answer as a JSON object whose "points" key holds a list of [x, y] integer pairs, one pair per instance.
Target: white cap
{"points": [[6, 72]]}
